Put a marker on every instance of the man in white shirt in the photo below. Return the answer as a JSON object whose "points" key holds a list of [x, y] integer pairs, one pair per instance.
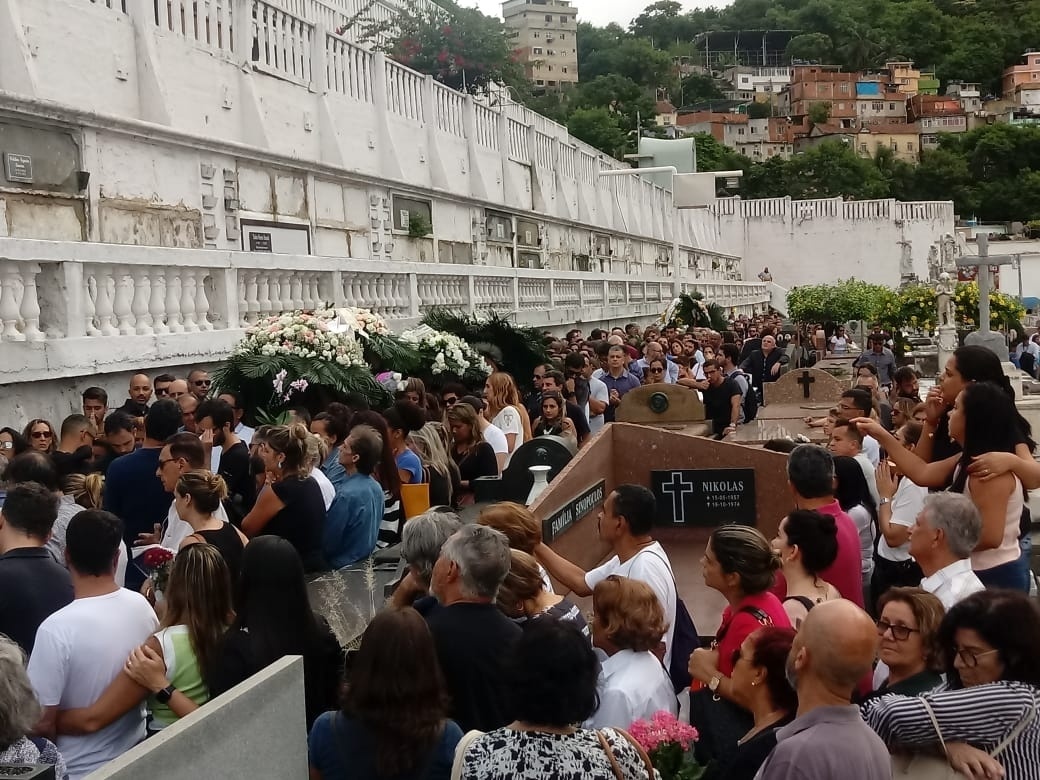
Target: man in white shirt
{"points": [[83, 647], [599, 398], [942, 539], [626, 520]]}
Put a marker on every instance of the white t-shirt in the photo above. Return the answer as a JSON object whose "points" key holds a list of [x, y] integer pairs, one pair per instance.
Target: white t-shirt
{"points": [[865, 527], [649, 565], [509, 421], [906, 505], [79, 650], [839, 346], [328, 492], [493, 435], [598, 392], [872, 450], [870, 475]]}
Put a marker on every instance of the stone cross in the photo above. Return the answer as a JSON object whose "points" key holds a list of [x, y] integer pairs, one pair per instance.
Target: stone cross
{"points": [[678, 488], [805, 380], [984, 336]]}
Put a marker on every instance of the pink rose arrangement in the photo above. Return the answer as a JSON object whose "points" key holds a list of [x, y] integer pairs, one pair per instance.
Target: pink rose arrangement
{"points": [[668, 742]]}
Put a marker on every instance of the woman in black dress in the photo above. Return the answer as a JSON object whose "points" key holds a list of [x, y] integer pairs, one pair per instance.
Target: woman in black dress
{"points": [[197, 496], [290, 504], [474, 456]]}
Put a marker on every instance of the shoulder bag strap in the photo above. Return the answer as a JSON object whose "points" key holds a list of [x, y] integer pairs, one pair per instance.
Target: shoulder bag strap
{"points": [[642, 753], [1027, 718], [460, 752], [935, 724], [610, 756]]}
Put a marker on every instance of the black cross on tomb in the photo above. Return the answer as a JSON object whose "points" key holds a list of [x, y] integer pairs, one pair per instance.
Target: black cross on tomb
{"points": [[805, 380]]}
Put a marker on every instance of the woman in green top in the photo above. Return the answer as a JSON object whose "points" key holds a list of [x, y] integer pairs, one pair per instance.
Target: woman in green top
{"points": [[909, 653], [198, 612]]}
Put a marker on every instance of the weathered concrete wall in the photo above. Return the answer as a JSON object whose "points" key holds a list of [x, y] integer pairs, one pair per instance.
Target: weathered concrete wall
{"points": [[256, 730]]}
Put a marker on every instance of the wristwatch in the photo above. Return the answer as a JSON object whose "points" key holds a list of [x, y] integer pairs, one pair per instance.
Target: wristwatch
{"points": [[164, 696], [884, 501], [714, 683]]}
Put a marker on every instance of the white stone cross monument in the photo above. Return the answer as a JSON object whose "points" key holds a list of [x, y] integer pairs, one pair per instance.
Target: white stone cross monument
{"points": [[984, 336]]}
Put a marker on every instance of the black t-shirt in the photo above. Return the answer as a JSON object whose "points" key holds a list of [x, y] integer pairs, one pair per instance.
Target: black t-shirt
{"points": [[480, 462], [33, 586], [301, 519], [78, 462], [577, 416], [473, 642], [229, 545], [717, 404]]}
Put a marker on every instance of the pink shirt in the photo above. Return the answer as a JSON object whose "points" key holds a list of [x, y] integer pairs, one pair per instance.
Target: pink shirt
{"points": [[845, 573], [737, 626]]}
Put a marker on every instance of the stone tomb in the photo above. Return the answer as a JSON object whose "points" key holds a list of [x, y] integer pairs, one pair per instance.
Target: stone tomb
{"points": [[669, 406], [626, 453], [804, 386]]}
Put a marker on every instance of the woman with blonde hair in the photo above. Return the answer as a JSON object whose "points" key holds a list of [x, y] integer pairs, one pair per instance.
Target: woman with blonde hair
{"points": [[196, 498], [85, 489], [523, 595], [172, 665], [628, 627], [441, 472], [506, 411], [521, 527], [474, 457], [290, 504]]}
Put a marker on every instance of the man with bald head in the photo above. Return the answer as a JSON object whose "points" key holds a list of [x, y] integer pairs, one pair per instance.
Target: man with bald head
{"points": [[140, 394], [177, 388], [832, 652]]}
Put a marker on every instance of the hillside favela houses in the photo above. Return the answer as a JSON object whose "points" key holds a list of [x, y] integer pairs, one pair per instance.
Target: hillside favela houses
{"points": [[896, 107], [206, 173]]}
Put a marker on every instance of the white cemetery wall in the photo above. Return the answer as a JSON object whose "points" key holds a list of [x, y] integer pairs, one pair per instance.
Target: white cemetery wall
{"points": [[257, 730]]}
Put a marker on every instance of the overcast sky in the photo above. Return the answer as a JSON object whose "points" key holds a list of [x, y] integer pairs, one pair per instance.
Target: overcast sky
{"points": [[600, 12]]}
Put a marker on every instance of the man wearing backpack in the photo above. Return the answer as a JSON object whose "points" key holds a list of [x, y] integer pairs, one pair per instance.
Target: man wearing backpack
{"points": [[728, 356], [722, 400]]}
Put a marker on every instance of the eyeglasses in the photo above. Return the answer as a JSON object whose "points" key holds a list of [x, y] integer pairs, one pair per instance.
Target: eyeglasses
{"points": [[6, 445], [162, 391], [202, 382], [969, 657], [41, 434], [899, 633], [450, 401]]}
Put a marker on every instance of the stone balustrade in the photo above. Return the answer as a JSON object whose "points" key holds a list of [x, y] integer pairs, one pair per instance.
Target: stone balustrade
{"points": [[52, 291]]}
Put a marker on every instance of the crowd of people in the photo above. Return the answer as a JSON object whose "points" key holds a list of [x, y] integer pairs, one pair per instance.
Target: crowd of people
{"points": [[890, 609]]}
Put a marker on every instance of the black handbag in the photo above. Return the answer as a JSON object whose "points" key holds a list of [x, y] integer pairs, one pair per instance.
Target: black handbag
{"points": [[721, 723]]}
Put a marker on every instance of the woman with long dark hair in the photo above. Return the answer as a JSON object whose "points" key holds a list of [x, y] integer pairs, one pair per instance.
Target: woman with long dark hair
{"points": [[274, 620], [393, 722], [855, 499], [983, 420], [172, 665]]}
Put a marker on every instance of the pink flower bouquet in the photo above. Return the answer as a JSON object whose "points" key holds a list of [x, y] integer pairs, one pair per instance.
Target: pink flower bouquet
{"points": [[668, 742]]}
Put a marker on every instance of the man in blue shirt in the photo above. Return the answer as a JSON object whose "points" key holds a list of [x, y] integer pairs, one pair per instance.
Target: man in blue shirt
{"points": [[133, 491], [352, 523], [618, 381]]}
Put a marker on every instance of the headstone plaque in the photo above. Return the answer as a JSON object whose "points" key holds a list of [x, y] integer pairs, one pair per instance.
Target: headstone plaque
{"points": [[661, 404], [804, 385], [259, 242], [575, 509], [704, 497], [18, 167]]}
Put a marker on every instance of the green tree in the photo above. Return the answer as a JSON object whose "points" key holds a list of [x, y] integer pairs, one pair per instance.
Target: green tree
{"points": [[460, 47], [599, 127], [633, 104], [633, 58], [713, 156], [832, 169], [698, 88], [819, 113], [849, 299], [759, 110]]}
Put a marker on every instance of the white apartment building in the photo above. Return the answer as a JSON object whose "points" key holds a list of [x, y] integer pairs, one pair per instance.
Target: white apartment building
{"points": [[756, 83], [546, 34]]}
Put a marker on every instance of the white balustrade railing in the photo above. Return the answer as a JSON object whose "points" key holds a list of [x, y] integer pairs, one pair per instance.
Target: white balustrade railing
{"points": [[348, 70], [282, 43], [106, 290]]}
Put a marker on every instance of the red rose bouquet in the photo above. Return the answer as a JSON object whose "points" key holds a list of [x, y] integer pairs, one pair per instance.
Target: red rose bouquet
{"points": [[159, 561]]}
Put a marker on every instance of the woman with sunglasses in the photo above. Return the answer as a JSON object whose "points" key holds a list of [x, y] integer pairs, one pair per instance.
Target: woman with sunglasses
{"points": [[988, 646], [656, 371], [40, 435]]}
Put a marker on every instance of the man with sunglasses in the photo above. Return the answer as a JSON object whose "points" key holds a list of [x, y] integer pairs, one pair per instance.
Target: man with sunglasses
{"points": [[199, 383], [161, 385], [451, 394]]}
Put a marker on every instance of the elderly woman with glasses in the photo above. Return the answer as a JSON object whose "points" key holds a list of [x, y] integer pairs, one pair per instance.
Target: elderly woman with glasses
{"points": [[909, 650], [991, 698]]}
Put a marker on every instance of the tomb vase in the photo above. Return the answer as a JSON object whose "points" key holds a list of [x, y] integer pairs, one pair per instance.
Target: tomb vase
{"points": [[541, 482]]}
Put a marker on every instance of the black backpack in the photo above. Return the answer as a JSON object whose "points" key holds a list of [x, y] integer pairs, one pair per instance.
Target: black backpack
{"points": [[750, 402], [685, 638]]}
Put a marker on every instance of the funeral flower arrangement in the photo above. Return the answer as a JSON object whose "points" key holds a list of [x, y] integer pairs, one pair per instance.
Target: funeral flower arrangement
{"points": [[445, 352], [158, 561], [668, 742], [300, 357]]}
